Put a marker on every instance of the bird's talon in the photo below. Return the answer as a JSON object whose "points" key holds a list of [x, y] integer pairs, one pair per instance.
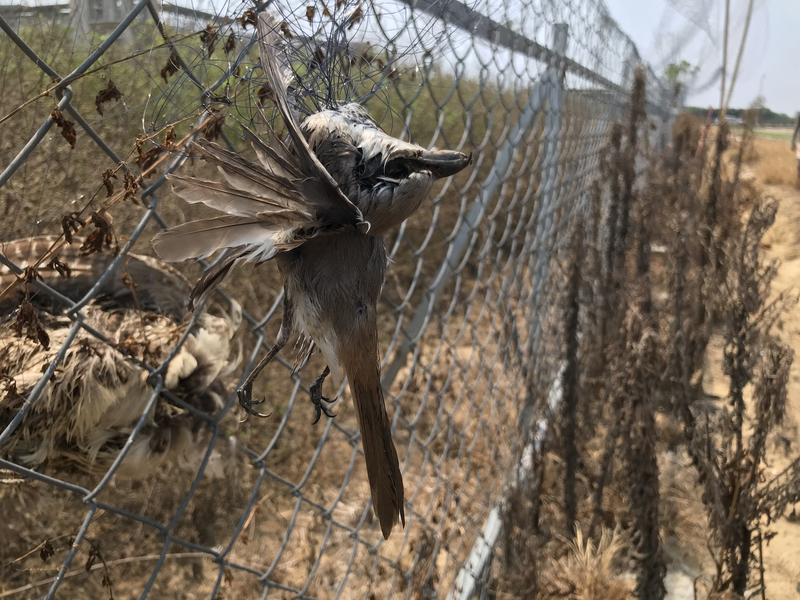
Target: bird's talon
{"points": [[317, 399], [247, 403], [320, 408]]}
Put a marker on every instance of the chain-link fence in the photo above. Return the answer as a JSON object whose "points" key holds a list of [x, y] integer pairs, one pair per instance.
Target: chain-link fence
{"points": [[470, 333]]}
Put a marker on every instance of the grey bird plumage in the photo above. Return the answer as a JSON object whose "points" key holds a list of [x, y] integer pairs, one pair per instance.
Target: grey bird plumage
{"points": [[319, 207], [97, 394]]}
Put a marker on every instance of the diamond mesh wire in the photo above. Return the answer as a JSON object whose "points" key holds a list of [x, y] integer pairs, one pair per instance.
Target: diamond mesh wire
{"points": [[470, 331]]}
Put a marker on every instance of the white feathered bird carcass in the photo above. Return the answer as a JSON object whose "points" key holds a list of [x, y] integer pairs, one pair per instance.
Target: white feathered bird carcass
{"points": [[98, 392]]}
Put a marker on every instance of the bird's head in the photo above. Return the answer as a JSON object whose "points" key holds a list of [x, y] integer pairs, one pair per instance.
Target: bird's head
{"points": [[386, 178]]}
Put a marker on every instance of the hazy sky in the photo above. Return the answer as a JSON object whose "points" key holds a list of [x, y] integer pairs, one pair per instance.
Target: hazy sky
{"points": [[772, 51]]}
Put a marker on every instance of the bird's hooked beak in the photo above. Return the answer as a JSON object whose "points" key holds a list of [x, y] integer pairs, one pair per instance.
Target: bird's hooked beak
{"points": [[442, 163]]}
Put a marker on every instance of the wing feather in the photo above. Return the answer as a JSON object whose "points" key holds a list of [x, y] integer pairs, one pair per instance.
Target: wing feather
{"points": [[199, 239], [274, 62], [248, 176], [236, 202], [215, 276], [276, 157]]}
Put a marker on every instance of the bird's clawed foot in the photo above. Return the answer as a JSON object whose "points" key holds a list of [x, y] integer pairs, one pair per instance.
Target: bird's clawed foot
{"points": [[318, 400], [246, 401]]}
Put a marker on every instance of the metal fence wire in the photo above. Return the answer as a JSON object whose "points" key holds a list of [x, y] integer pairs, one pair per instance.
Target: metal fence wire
{"points": [[127, 472]]}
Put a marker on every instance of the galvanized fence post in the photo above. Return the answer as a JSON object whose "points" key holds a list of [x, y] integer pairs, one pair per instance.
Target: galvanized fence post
{"points": [[469, 578], [550, 188]]}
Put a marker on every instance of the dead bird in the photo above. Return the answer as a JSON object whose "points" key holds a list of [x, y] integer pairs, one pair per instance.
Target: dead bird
{"points": [[97, 393], [319, 206]]}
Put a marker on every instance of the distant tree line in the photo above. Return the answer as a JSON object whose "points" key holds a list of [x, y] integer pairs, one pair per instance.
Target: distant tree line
{"points": [[766, 116]]}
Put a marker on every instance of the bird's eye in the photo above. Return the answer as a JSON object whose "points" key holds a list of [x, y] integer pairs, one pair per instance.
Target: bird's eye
{"points": [[396, 169]]}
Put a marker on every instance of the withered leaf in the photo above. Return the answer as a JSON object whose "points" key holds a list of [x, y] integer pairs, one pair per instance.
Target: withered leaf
{"points": [[310, 13], [31, 274], [148, 159], [362, 55], [108, 175], [169, 138], [172, 66], [339, 4], [91, 559], [46, 551], [107, 95], [230, 44], [209, 38], [102, 237], [60, 267], [213, 129], [327, 13], [129, 283], [286, 31], [317, 58], [263, 93], [248, 18], [28, 321], [71, 223], [67, 127], [356, 17], [130, 185]]}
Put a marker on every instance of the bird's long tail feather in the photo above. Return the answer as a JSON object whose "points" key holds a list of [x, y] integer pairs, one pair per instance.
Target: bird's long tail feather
{"points": [[383, 465]]}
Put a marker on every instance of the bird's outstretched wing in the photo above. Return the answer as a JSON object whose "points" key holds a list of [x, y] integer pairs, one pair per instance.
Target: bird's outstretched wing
{"points": [[269, 207], [265, 212], [275, 63]]}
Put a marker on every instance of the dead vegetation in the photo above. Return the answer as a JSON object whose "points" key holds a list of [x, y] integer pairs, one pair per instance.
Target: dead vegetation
{"points": [[637, 445]]}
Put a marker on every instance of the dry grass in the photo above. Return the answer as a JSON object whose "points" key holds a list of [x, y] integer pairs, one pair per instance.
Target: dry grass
{"points": [[590, 571], [772, 162]]}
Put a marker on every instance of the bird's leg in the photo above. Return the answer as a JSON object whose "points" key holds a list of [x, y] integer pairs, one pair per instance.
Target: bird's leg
{"points": [[245, 392], [315, 391], [299, 367]]}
